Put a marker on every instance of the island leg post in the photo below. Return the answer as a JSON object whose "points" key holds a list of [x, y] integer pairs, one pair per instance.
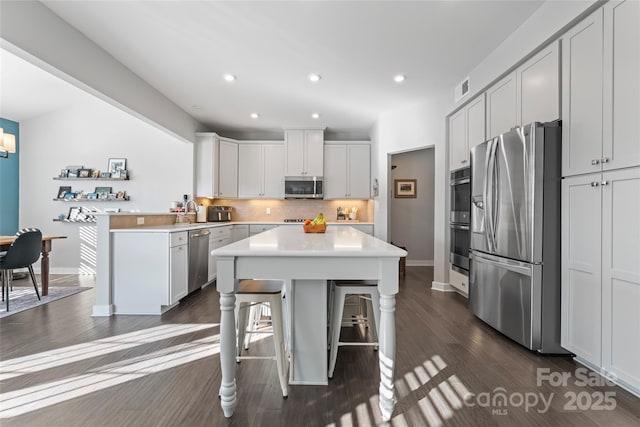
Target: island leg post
{"points": [[228, 353], [44, 266], [387, 354]]}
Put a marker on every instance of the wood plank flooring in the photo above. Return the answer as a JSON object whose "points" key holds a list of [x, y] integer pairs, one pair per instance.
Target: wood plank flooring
{"points": [[61, 367]]}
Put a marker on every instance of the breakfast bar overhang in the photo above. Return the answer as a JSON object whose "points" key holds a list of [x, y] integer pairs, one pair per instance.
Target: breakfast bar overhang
{"points": [[309, 260]]}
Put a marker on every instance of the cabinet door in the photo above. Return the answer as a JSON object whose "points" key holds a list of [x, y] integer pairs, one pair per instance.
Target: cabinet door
{"points": [[249, 170], [205, 158], [335, 172], [582, 97], [539, 86], [314, 152], [294, 153], [273, 166], [502, 106], [457, 139], [228, 169], [476, 123], [359, 172], [621, 274], [581, 314], [621, 145], [179, 273]]}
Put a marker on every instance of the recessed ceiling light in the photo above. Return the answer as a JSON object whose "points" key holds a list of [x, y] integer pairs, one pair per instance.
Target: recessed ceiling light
{"points": [[315, 115], [399, 78], [313, 77], [229, 77], [255, 115]]}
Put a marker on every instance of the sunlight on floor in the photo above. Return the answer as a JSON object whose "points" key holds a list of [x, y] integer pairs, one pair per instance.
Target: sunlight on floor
{"points": [[29, 399]]}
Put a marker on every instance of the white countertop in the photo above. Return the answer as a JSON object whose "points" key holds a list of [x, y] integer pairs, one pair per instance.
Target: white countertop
{"points": [[171, 228], [293, 241]]}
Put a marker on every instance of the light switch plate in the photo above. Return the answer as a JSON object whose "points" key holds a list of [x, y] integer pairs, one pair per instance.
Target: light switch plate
{"points": [[140, 220]]}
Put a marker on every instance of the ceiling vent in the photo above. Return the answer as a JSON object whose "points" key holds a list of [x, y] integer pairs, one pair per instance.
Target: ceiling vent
{"points": [[461, 90]]}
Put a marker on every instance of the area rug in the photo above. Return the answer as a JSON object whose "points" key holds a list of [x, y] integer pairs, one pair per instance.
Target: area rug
{"points": [[22, 298]]}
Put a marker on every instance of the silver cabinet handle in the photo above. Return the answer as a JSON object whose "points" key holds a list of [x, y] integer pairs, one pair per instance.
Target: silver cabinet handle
{"points": [[605, 182], [604, 160], [463, 161], [594, 184], [595, 162]]}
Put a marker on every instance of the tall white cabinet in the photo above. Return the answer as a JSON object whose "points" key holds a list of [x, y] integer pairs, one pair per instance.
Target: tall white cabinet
{"points": [[601, 191], [347, 172], [303, 151], [260, 170]]}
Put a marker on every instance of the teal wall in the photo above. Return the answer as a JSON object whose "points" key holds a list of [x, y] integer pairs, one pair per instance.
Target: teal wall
{"points": [[9, 177]]}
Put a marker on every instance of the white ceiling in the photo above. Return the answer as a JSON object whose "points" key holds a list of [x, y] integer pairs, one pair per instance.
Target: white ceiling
{"points": [[184, 48]]}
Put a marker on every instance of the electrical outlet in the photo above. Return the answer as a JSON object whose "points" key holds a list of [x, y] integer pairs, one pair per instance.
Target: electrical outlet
{"points": [[268, 211], [140, 220]]}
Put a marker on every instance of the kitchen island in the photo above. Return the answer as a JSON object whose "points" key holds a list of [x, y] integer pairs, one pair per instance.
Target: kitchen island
{"points": [[308, 261]]}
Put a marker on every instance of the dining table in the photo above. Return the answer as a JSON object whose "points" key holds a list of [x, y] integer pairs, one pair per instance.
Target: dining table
{"points": [[6, 241], [308, 261]]}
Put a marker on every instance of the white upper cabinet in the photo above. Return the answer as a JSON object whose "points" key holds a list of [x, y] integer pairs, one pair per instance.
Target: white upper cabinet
{"points": [[466, 129], [539, 86], [260, 170], [621, 133], [582, 96], [216, 164], [601, 90], [347, 173], [304, 152], [502, 106], [529, 94]]}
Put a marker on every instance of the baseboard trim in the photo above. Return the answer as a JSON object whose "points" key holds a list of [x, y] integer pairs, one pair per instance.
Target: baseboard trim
{"points": [[102, 310], [442, 287], [419, 263], [64, 270]]}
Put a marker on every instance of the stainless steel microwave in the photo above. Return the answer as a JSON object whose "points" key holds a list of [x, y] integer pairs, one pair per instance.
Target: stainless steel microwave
{"points": [[303, 187]]}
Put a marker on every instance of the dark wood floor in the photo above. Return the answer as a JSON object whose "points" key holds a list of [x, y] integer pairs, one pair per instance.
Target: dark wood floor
{"points": [[61, 367]]}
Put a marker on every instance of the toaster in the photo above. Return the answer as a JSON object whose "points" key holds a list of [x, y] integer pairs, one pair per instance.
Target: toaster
{"points": [[219, 213]]}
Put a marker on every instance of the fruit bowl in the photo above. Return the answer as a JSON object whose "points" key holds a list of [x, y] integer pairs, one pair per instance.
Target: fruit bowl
{"points": [[315, 228]]}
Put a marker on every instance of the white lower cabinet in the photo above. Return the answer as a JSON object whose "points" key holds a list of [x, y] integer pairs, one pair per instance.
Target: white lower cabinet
{"points": [[459, 281], [149, 271], [239, 232], [601, 272], [259, 228], [219, 237]]}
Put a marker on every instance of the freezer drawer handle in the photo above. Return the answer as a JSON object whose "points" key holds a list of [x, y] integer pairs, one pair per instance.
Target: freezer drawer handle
{"points": [[514, 266]]}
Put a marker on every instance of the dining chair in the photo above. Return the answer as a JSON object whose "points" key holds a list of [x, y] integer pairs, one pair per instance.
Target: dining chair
{"points": [[23, 252]]}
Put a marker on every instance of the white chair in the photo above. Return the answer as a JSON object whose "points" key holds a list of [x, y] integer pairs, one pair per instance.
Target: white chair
{"points": [[253, 294], [368, 297]]}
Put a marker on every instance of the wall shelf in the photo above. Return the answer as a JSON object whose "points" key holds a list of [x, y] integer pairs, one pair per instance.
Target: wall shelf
{"points": [[89, 221], [57, 178], [91, 200]]}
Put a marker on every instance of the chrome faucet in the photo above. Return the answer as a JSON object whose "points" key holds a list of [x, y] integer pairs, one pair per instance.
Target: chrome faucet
{"points": [[186, 206]]}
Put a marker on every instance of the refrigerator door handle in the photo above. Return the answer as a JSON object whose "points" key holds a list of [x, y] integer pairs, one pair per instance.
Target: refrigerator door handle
{"points": [[489, 196], [507, 264]]}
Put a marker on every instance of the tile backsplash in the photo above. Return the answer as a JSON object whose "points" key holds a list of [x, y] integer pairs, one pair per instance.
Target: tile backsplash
{"points": [[255, 209]]}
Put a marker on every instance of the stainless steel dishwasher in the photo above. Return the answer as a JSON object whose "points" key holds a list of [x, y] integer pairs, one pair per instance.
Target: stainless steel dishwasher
{"points": [[198, 259]]}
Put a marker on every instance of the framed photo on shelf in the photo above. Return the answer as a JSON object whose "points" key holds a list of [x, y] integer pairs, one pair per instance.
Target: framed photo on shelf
{"points": [[95, 173], [102, 190], [75, 213], [105, 174], [405, 188], [69, 195], [84, 173], [121, 195], [63, 190], [64, 173], [116, 166], [92, 196]]}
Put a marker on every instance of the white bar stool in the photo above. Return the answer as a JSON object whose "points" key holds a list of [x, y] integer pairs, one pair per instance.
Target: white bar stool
{"points": [[340, 290], [252, 294]]}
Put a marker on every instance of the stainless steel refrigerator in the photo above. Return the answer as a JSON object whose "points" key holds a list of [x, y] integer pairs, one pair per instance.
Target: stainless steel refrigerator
{"points": [[514, 279]]}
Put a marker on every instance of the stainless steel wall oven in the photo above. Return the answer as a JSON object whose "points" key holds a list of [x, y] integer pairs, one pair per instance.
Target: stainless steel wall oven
{"points": [[459, 220]]}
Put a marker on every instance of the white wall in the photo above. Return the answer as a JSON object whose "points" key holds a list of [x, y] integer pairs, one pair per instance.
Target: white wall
{"points": [[411, 128], [160, 166], [411, 219]]}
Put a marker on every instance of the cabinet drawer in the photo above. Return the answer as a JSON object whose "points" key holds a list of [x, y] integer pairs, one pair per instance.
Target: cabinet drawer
{"points": [[180, 238], [217, 232], [219, 242], [259, 228]]}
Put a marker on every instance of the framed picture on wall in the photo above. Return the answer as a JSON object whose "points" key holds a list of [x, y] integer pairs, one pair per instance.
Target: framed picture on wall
{"points": [[116, 166], [63, 190], [404, 188]]}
